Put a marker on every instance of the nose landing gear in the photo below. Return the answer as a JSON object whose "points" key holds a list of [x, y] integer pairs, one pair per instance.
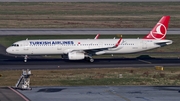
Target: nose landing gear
{"points": [[25, 58]]}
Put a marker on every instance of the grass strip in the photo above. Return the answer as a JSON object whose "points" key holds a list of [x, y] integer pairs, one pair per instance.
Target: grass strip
{"points": [[87, 15], [96, 76]]}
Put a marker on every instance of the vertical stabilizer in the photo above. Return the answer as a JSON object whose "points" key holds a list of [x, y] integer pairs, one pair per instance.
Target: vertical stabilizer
{"points": [[160, 29]]}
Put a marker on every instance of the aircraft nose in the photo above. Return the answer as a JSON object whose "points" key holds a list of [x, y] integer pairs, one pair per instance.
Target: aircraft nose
{"points": [[9, 50]]}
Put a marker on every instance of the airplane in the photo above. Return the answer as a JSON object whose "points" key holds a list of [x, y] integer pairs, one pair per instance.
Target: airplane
{"points": [[79, 49]]}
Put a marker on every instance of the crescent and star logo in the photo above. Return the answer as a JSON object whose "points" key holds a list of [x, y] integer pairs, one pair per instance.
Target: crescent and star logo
{"points": [[159, 32]]}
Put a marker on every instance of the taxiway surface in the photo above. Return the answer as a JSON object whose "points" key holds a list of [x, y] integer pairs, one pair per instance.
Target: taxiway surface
{"points": [[92, 93], [104, 93], [17, 63], [10, 94], [81, 31]]}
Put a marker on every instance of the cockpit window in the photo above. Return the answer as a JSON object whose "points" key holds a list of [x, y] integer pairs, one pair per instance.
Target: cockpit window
{"points": [[15, 45]]}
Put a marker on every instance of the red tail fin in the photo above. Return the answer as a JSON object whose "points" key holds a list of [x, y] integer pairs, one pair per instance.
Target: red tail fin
{"points": [[160, 29]]}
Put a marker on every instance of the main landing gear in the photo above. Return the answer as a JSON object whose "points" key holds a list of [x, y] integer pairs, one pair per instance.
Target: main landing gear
{"points": [[89, 58]]}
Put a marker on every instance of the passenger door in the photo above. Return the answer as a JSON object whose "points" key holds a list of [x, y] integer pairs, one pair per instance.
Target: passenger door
{"points": [[144, 44], [26, 45]]}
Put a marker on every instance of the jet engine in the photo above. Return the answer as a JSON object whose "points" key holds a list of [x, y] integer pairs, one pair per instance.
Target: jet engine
{"points": [[76, 56]]}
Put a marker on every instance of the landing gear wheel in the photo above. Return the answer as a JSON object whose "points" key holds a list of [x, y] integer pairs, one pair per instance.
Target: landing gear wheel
{"points": [[91, 60], [25, 58]]}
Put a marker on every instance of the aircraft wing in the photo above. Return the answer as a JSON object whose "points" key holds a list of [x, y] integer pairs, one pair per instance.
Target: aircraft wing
{"points": [[94, 50]]}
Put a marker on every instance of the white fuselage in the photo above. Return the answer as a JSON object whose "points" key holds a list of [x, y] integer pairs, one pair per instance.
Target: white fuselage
{"points": [[45, 47]]}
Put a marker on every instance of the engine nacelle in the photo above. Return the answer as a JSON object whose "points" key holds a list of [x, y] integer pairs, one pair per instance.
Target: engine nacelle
{"points": [[100, 53], [76, 56]]}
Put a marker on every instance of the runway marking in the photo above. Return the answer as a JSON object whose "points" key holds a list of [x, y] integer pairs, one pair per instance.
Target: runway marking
{"points": [[126, 99], [144, 61], [19, 94]]}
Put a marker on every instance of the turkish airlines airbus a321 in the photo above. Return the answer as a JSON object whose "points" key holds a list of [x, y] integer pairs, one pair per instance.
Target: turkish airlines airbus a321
{"points": [[78, 49]]}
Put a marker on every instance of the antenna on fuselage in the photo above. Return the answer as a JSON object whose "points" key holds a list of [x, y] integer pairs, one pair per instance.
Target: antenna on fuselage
{"points": [[26, 38]]}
